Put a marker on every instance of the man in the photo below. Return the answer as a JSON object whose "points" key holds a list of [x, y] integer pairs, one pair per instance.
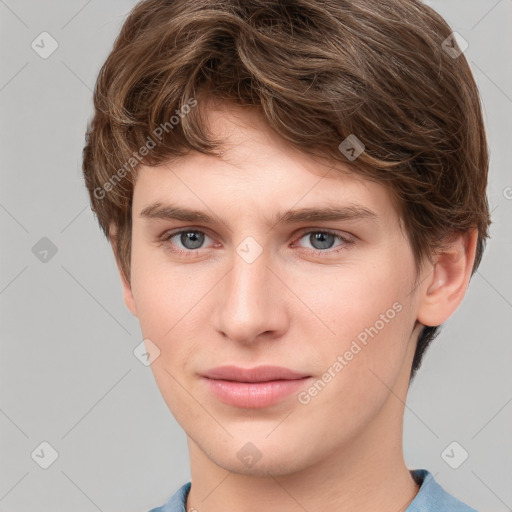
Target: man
{"points": [[295, 196]]}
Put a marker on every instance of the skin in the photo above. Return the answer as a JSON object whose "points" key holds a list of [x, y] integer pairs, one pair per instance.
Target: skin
{"points": [[289, 307]]}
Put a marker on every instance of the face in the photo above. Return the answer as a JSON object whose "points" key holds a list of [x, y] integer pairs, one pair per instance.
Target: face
{"points": [[260, 279]]}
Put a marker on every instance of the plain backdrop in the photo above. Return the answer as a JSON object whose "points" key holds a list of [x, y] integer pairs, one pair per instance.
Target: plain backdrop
{"points": [[68, 375]]}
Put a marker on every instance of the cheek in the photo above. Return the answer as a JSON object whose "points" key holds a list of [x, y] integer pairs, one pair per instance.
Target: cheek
{"points": [[353, 299], [166, 302], [168, 299], [158, 293], [367, 312], [372, 320]]}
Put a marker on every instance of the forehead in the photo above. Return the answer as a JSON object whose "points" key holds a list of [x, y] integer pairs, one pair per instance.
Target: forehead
{"points": [[258, 171]]}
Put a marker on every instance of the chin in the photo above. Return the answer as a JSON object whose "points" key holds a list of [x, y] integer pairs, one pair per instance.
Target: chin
{"points": [[259, 458], [275, 467]]}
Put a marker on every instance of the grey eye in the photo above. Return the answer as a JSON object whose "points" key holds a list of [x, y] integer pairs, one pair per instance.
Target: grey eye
{"points": [[321, 240], [191, 239]]}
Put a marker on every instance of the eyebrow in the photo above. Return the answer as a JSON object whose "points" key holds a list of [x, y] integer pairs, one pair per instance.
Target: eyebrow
{"points": [[330, 213], [318, 214]]}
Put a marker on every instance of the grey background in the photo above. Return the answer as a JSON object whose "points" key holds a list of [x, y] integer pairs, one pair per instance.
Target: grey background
{"points": [[68, 375]]}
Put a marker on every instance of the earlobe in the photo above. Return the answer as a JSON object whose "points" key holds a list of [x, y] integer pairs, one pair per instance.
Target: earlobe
{"points": [[446, 282]]}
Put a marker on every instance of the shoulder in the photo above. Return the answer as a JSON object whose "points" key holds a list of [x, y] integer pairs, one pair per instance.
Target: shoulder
{"points": [[176, 502], [432, 497]]}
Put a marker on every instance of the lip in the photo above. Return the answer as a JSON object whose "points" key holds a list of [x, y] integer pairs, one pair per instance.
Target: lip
{"points": [[258, 374], [253, 387]]}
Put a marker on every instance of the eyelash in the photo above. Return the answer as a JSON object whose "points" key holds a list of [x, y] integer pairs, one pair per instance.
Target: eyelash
{"points": [[166, 238]]}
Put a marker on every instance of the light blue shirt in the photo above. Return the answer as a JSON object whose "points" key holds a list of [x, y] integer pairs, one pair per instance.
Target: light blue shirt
{"points": [[430, 498]]}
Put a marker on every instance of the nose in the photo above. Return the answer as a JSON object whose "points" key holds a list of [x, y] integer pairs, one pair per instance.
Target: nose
{"points": [[250, 303]]}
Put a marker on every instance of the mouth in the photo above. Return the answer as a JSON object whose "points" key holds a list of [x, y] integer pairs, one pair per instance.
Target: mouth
{"points": [[253, 387]]}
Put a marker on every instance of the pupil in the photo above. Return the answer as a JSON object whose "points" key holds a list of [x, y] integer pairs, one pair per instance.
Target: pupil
{"points": [[320, 239], [192, 239]]}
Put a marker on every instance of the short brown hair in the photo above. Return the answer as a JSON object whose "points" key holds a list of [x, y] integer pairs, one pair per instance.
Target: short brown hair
{"points": [[318, 71]]}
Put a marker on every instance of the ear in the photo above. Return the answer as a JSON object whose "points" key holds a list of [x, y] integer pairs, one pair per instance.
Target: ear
{"points": [[447, 280], [125, 282]]}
